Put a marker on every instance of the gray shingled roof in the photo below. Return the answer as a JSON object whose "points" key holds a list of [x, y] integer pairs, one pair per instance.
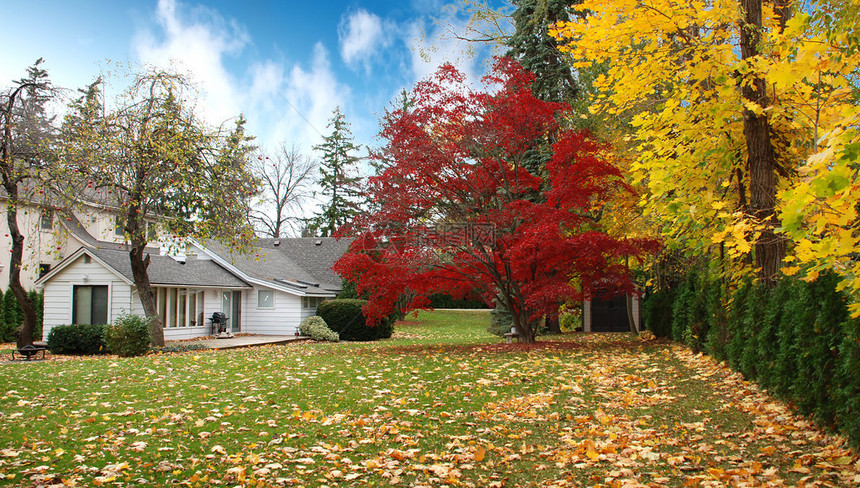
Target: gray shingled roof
{"points": [[300, 263], [77, 229], [164, 270]]}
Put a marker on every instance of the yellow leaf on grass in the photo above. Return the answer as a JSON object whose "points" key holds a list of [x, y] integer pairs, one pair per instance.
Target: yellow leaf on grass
{"points": [[480, 454], [592, 455]]}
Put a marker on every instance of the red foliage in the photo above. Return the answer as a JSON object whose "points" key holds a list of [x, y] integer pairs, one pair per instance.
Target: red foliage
{"points": [[458, 210]]}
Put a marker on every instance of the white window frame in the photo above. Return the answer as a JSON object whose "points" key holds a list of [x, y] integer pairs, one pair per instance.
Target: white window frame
{"points": [[261, 294], [311, 303]]}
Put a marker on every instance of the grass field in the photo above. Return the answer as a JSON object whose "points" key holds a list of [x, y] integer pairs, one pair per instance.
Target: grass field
{"points": [[441, 403]]}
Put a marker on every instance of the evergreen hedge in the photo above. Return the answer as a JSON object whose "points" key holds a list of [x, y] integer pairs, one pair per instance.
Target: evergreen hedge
{"points": [[84, 339], [796, 340], [11, 316], [344, 316]]}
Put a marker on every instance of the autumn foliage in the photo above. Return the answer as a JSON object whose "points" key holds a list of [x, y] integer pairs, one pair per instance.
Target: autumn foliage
{"points": [[458, 208]]}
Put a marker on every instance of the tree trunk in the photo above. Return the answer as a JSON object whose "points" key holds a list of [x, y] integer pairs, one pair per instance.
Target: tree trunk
{"points": [[553, 325], [28, 327], [139, 265], [10, 184], [630, 318], [136, 233], [761, 157], [525, 327]]}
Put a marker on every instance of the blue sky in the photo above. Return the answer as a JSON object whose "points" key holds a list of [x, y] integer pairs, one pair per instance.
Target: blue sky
{"points": [[264, 58]]}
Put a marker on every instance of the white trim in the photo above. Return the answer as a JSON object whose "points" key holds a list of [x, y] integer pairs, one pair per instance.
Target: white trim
{"points": [[271, 297], [75, 255]]}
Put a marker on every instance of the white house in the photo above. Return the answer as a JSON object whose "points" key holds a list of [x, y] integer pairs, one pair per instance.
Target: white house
{"points": [[50, 235], [267, 292]]}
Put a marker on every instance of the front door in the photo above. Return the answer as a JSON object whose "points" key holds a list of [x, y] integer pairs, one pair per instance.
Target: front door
{"points": [[231, 305]]}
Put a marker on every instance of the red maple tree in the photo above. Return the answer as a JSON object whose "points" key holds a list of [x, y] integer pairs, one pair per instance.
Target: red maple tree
{"points": [[457, 208]]}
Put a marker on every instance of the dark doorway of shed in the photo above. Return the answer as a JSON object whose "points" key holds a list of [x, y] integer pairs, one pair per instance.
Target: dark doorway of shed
{"points": [[609, 314]]}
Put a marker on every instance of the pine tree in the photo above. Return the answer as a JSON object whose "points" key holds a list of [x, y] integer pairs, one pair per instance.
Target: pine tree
{"points": [[532, 46], [338, 178]]}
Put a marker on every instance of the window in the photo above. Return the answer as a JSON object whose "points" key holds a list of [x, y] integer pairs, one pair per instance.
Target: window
{"points": [[89, 304], [118, 227], [151, 233], [47, 220], [179, 307], [44, 268], [312, 302], [265, 299]]}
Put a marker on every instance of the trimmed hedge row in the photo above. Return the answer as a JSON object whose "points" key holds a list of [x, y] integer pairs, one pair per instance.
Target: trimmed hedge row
{"points": [[344, 316], [129, 336], [85, 339], [796, 340]]}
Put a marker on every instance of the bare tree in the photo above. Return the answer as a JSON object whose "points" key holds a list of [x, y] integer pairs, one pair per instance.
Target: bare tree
{"points": [[26, 134], [286, 179]]}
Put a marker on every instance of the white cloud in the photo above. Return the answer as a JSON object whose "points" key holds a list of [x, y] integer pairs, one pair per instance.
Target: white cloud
{"points": [[362, 35], [307, 99], [196, 40], [282, 102]]}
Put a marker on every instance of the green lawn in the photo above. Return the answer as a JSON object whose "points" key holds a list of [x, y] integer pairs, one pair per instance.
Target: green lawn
{"points": [[441, 403]]}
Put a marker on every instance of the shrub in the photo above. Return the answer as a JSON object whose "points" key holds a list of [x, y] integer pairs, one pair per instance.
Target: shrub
{"points": [[570, 317], [345, 317], [657, 312], [444, 300], [500, 321], [847, 395], [681, 309], [129, 336], [180, 348], [12, 317], [316, 328], [766, 337], [750, 324], [38, 299], [796, 340], [86, 339]]}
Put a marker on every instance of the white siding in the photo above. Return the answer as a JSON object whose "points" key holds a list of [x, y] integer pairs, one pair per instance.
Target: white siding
{"points": [[58, 292], [283, 319]]}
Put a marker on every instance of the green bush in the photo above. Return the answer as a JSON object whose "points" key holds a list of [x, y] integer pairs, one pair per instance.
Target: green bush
{"points": [[820, 346], [180, 348], [500, 321], [85, 339], [12, 317], [570, 317], [38, 299], [657, 312], [746, 334], [316, 328], [129, 336], [681, 307], [795, 340], [345, 317], [767, 335], [847, 392], [444, 300]]}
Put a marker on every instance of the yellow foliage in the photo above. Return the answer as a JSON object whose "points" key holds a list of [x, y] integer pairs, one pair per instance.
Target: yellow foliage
{"points": [[675, 65]]}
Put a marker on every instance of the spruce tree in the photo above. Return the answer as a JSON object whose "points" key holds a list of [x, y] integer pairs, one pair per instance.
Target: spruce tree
{"points": [[339, 180], [533, 47]]}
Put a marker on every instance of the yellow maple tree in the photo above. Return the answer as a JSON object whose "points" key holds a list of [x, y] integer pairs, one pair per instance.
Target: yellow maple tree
{"points": [[678, 71]]}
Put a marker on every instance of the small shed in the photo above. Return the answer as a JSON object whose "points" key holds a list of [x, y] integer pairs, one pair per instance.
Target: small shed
{"points": [[610, 314]]}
